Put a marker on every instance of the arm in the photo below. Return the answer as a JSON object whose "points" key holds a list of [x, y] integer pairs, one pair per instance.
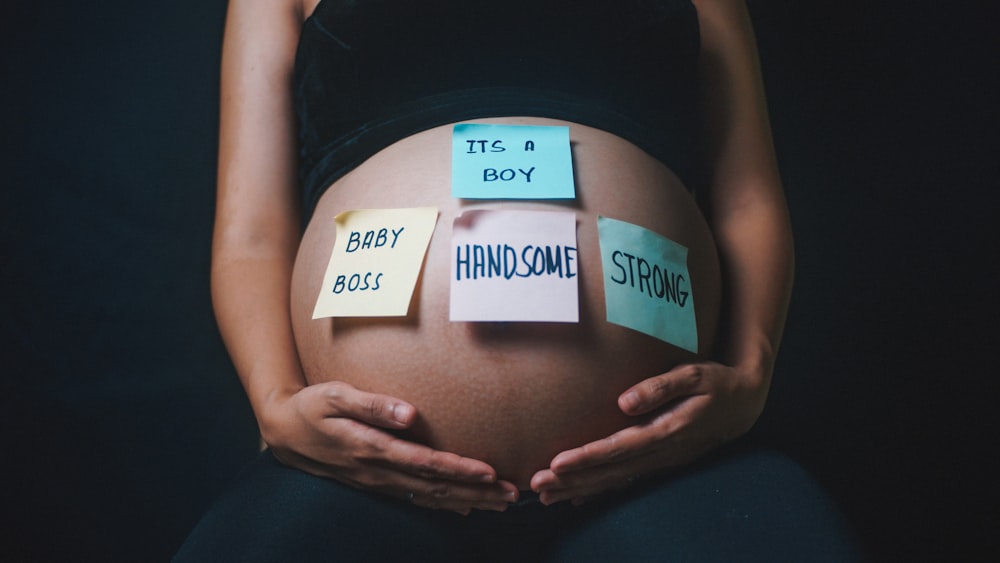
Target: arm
{"points": [[696, 407], [745, 202], [257, 221], [332, 429]]}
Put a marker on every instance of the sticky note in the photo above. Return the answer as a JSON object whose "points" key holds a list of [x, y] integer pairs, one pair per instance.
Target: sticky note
{"points": [[375, 262], [490, 161], [647, 286], [514, 265]]}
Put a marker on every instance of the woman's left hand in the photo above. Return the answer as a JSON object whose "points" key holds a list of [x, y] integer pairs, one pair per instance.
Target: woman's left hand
{"points": [[685, 412]]}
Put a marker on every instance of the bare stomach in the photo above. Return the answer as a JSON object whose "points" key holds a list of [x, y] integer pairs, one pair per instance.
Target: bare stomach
{"points": [[511, 394]]}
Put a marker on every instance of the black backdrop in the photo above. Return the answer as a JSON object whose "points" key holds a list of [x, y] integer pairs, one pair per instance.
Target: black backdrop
{"points": [[120, 414]]}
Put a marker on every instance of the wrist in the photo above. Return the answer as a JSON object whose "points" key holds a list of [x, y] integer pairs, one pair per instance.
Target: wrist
{"points": [[752, 383], [757, 365], [752, 358], [753, 364], [272, 413]]}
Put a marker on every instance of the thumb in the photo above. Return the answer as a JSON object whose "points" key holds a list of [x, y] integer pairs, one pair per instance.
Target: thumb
{"points": [[343, 400]]}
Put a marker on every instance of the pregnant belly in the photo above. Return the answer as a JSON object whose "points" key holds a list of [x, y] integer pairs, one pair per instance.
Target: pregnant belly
{"points": [[510, 394]]}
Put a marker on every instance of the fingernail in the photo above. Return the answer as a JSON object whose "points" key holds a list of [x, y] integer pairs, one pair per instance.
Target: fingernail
{"points": [[539, 484], [511, 496], [630, 401], [402, 413]]}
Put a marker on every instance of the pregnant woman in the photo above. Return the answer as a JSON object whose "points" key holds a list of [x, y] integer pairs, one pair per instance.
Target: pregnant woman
{"points": [[335, 105]]}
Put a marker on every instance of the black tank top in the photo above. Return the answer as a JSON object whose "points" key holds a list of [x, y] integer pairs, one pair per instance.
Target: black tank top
{"points": [[371, 72]]}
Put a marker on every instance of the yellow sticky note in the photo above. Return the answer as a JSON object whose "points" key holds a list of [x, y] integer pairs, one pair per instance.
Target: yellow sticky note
{"points": [[375, 262]]}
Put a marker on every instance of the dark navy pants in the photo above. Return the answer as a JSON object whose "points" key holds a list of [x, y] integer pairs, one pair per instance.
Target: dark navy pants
{"points": [[741, 504]]}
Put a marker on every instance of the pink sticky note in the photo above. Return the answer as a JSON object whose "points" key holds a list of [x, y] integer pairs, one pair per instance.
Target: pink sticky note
{"points": [[514, 265]]}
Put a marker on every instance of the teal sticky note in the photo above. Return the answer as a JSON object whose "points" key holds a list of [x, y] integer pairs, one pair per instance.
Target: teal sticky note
{"points": [[491, 161], [646, 283]]}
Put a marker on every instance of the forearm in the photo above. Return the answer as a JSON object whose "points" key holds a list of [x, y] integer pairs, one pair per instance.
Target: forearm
{"points": [[756, 250], [250, 294]]}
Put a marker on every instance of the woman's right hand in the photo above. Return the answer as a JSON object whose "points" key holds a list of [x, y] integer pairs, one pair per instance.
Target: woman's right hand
{"points": [[336, 431]]}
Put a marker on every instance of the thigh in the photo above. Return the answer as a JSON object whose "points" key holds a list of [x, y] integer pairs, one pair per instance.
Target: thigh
{"points": [[741, 505], [274, 513]]}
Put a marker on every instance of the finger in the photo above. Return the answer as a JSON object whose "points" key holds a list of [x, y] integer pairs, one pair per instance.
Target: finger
{"points": [[374, 446], [633, 441], [344, 400], [655, 392], [374, 473], [581, 486], [620, 446], [432, 493], [544, 479], [428, 463], [438, 495], [457, 497]]}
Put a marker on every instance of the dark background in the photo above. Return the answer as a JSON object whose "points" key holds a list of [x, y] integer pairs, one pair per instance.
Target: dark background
{"points": [[121, 416]]}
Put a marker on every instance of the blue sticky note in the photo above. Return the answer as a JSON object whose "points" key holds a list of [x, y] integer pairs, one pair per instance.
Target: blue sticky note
{"points": [[646, 283], [490, 161]]}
